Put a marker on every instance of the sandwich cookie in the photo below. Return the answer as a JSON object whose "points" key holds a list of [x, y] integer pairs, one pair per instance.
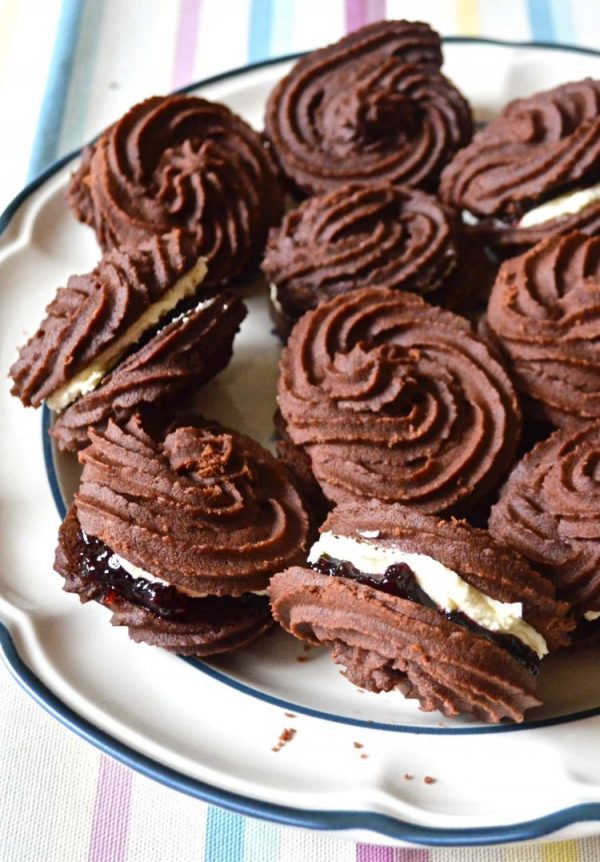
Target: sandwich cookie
{"points": [[549, 510], [106, 346], [437, 609], [534, 170], [359, 236], [544, 311], [178, 534]]}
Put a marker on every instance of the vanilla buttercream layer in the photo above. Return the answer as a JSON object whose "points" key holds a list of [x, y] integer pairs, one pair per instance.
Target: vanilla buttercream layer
{"points": [[567, 204], [88, 378], [446, 589], [138, 572]]}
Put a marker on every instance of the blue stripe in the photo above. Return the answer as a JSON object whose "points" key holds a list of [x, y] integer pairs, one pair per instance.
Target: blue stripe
{"points": [[45, 145], [259, 34], [77, 102], [282, 28], [562, 17], [541, 21], [224, 836]]}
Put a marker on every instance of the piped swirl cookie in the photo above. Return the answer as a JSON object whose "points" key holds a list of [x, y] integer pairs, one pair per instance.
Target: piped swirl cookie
{"points": [[437, 609], [395, 399], [181, 162], [535, 169], [359, 236], [182, 356], [372, 107], [128, 335], [545, 312], [549, 510], [178, 535]]}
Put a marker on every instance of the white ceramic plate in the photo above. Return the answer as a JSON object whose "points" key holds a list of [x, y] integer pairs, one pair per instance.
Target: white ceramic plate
{"points": [[209, 728]]}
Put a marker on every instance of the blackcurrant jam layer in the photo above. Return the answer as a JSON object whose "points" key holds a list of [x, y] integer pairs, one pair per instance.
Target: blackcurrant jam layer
{"points": [[98, 564], [399, 580]]}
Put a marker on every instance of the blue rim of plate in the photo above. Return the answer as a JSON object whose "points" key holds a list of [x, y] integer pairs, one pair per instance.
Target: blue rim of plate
{"points": [[303, 818]]}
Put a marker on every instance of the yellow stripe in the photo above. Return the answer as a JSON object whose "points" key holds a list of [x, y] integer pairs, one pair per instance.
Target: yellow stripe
{"points": [[9, 13], [564, 851], [468, 18]]}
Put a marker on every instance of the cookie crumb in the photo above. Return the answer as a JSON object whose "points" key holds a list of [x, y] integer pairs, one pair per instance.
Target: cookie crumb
{"points": [[290, 714], [358, 744], [429, 780], [408, 777], [364, 756], [301, 658], [306, 647], [286, 735]]}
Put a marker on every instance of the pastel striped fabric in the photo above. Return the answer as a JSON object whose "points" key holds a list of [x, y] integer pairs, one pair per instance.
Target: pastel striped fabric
{"points": [[67, 69]]}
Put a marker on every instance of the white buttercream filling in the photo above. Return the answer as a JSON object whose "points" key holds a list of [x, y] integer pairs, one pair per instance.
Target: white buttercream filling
{"points": [[137, 572], [567, 204], [592, 615], [469, 218], [88, 378], [274, 297], [444, 587]]}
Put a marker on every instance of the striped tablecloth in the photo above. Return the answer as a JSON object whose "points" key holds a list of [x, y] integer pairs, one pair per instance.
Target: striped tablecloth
{"points": [[67, 69]]}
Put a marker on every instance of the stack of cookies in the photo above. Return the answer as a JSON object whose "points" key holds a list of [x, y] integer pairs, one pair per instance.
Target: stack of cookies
{"points": [[438, 293]]}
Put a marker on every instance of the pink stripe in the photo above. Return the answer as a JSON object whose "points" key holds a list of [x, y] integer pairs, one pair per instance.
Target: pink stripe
{"points": [[185, 47], [374, 853], [110, 824], [361, 12]]}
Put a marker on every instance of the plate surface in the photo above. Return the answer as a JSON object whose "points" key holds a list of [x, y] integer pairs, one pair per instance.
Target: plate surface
{"points": [[209, 728]]}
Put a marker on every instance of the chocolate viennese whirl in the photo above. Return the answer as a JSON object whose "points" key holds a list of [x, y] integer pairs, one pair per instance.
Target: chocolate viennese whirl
{"points": [[128, 336], [535, 169], [545, 312], [180, 358], [360, 236], [549, 510], [372, 107], [181, 162], [435, 608], [93, 321], [395, 399], [179, 534]]}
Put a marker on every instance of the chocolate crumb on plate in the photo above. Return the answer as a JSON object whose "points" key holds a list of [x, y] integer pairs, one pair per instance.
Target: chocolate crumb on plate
{"points": [[286, 735]]}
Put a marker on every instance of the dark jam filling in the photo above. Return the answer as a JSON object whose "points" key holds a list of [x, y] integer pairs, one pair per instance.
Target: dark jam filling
{"points": [[99, 564], [399, 580]]}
